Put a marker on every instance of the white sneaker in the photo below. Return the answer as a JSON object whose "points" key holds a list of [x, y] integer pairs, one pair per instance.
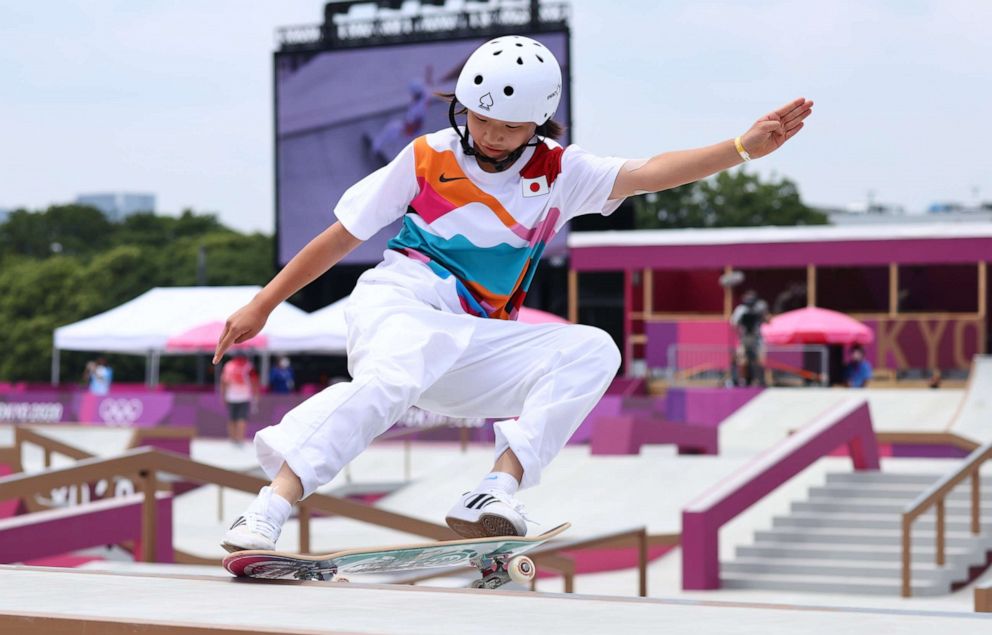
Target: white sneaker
{"points": [[259, 527], [489, 513]]}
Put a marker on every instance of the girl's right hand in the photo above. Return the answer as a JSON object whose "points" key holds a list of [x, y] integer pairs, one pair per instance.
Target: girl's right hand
{"points": [[244, 324]]}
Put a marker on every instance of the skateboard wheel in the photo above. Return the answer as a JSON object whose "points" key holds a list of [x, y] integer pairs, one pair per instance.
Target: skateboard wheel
{"points": [[521, 569], [341, 580]]}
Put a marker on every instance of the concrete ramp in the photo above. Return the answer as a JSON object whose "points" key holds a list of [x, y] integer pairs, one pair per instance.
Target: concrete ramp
{"points": [[974, 417], [772, 415], [37, 600]]}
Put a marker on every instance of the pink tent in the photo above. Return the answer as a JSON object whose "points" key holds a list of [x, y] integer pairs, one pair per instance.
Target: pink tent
{"points": [[204, 338], [533, 316], [814, 325]]}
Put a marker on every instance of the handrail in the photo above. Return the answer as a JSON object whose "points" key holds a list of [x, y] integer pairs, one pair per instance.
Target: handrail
{"points": [[24, 434], [847, 422], [983, 598], [11, 457], [928, 438], [139, 436], [146, 463], [935, 495]]}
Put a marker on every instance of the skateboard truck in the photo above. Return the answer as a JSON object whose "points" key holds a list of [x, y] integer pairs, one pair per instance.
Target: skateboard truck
{"points": [[499, 570]]}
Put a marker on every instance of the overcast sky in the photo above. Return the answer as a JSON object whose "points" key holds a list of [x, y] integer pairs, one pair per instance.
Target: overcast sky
{"points": [[175, 97]]}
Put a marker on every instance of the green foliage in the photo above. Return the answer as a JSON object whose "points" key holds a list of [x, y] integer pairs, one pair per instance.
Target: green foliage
{"points": [[733, 198], [96, 265], [67, 229]]}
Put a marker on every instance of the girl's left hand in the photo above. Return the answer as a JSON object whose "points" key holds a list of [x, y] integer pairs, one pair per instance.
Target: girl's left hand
{"points": [[771, 131]]}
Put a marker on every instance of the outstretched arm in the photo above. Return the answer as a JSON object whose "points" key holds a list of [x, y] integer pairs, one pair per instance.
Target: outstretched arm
{"points": [[319, 255], [672, 169]]}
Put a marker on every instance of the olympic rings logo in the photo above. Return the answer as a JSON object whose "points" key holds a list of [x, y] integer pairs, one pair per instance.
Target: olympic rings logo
{"points": [[120, 411]]}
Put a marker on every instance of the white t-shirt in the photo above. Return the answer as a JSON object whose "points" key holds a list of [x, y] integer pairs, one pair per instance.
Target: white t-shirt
{"points": [[481, 233]]}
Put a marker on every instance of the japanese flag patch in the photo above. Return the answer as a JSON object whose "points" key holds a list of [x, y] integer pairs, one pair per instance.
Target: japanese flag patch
{"points": [[535, 187]]}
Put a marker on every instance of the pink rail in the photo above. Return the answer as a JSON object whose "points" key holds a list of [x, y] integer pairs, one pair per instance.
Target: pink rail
{"points": [[847, 423], [113, 520]]}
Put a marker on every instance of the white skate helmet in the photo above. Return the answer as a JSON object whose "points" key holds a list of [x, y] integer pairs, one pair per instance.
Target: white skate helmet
{"points": [[511, 78]]}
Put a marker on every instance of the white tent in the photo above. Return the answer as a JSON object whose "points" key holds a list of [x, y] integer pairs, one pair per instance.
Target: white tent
{"points": [[323, 331], [143, 325]]}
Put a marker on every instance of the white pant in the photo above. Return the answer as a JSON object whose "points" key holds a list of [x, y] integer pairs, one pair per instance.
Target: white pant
{"points": [[542, 380]]}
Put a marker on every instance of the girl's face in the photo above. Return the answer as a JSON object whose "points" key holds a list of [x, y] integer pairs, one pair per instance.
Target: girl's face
{"points": [[496, 139]]}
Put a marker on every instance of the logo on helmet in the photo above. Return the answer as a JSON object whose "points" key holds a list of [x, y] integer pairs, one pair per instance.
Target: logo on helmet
{"points": [[556, 92], [486, 101]]}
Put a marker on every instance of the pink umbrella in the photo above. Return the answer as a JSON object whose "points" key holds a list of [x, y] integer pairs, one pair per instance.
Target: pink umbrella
{"points": [[533, 316], [204, 338], [814, 325]]}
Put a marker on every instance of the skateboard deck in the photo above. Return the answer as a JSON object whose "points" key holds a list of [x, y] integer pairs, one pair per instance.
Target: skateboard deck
{"points": [[499, 560]]}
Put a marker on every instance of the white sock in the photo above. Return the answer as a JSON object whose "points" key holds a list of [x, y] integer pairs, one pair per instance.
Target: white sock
{"points": [[501, 481], [272, 505]]}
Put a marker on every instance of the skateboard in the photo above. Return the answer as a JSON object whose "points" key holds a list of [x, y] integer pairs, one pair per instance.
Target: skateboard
{"points": [[499, 560]]}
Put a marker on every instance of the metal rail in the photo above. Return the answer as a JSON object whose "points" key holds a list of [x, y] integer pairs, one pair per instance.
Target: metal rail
{"points": [[936, 496]]}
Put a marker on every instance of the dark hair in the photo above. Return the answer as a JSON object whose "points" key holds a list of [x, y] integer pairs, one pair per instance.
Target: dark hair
{"points": [[550, 129]]}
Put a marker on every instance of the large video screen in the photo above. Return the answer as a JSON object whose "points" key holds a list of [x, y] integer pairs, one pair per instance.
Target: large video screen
{"points": [[341, 115]]}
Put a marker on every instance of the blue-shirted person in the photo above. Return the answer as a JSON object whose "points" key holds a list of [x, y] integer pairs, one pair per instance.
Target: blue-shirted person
{"points": [[857, 371], [281, 379]]}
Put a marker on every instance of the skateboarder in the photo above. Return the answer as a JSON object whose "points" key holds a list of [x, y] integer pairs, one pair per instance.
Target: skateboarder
{"points": [[433, 325]]}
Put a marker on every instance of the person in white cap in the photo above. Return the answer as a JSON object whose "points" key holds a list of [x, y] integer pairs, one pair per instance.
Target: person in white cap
{"points": [[433, 325]]}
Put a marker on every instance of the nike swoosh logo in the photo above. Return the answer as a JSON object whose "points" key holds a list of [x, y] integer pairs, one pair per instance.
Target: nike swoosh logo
{"points": [[448, 180]]}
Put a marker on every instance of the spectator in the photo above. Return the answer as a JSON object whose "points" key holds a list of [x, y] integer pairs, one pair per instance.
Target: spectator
{"points": [[281, 379], [747, 318], [99, 376], [858, 371], [239, 388]]}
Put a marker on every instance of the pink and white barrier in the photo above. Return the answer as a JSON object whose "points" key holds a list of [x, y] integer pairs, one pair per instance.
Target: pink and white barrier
{"points": [[848, 423]]}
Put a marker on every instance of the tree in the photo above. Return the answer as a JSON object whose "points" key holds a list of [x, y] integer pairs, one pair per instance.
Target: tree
{"points": [[733, 198], [102, 265], [61, 229]]}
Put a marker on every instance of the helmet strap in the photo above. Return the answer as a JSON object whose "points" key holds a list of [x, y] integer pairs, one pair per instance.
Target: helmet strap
{"points": [[500, 165]]}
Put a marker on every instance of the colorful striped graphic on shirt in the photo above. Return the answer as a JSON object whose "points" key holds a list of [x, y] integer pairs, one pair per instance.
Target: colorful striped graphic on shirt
{"points": [[490, 281]]}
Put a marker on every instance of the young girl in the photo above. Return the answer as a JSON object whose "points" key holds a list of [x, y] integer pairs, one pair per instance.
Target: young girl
{"points": [[433, 325]]}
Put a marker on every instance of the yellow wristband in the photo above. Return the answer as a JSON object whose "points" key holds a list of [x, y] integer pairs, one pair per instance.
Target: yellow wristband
{"points": [[740, 149]]}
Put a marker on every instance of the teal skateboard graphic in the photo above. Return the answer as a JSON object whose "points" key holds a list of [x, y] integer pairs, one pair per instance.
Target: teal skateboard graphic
{"points": [[499, 560]]}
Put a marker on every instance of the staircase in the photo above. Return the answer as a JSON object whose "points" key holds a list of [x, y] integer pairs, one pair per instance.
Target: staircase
{"points": [[846, 538]]}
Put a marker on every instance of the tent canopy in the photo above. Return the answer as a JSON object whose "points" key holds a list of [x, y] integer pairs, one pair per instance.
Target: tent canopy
{"points": [[147, 322], [204, 338], [814, 325], [191, 318], [323, 331]]}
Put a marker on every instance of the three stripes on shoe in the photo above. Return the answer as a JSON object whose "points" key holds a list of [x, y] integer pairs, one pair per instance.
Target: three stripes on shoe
{"points": [[480, 501]]}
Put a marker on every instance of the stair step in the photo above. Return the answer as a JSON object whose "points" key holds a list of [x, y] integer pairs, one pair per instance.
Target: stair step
{"points": [[867, 536], [866, 521], [828, 584], [847, 568], [835, 551], [924, 479], [894, 478], [902, 493], [874, 506]]}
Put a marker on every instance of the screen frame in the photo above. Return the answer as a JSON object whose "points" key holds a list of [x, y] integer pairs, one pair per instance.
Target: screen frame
{"points": [[279, 261]]}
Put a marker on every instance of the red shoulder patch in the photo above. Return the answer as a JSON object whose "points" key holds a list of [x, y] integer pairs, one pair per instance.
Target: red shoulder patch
{"points": [[546, 162]]}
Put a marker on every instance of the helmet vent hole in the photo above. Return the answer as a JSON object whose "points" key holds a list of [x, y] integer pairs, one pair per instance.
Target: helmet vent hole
{"points": [[498, 52], [539, 58], [519, 44], [508, 91], [478, 79], [520, 61]]}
